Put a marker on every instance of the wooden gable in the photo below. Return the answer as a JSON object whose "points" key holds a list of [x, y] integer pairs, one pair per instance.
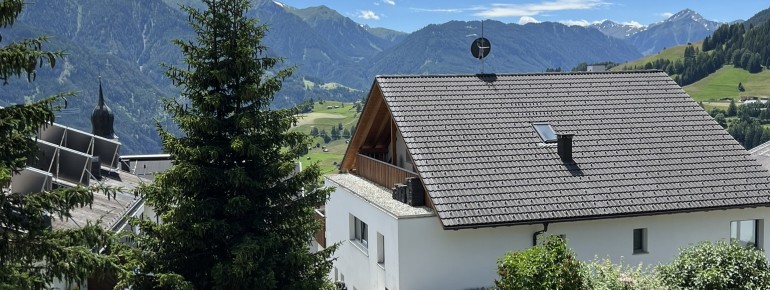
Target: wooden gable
{"points": [[374, 151]]}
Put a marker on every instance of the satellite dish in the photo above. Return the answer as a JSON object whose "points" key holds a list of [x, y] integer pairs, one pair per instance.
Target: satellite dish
{"points": [[480, 47]]}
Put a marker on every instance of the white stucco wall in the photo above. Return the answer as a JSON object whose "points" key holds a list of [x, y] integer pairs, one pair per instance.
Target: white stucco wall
{"points": [[420, 254], [356, 263]]}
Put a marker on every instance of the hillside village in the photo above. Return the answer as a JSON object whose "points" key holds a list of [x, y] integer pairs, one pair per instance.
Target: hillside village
{"points": [[380, 165]]}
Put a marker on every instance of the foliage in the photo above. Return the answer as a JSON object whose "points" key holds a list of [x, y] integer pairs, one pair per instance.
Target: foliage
{"points": [[732, 109], [717, 266], [604, 275], [749, 132], [548, 266], [32, 253], [233, 216]]}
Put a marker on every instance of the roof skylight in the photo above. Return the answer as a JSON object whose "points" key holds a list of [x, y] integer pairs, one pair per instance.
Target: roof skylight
{"points": [[545, 131]]}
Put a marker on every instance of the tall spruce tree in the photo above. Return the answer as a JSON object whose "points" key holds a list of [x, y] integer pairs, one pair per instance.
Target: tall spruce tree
{"points": [[234, 215], [32, 254]]}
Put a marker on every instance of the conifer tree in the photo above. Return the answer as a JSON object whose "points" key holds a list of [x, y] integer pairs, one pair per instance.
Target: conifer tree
{"points": [[33, 254], [232, 209]]}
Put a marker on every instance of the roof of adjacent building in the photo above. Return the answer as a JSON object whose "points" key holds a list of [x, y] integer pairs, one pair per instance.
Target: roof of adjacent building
{"points": [[111, 211], [762, 154], [642, 146]]}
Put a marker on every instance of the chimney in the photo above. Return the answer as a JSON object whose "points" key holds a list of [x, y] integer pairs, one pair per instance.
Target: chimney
{"points": [[415, 193], [564, 147]]}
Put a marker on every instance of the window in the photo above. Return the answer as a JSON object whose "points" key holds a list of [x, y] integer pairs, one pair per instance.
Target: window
{"points": [[360, 233], [380, 248], [546, 132], [746, 232], [640, 241]]}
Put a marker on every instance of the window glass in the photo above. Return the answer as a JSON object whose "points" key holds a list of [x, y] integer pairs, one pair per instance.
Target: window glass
{"points": [[545, 131], [744, 232], [640, 241]]}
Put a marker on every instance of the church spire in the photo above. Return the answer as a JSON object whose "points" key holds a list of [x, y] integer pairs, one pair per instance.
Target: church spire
{"points": [[101, 95], [102, 118]]}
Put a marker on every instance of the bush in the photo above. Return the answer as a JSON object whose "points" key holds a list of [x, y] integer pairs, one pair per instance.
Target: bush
{"points": [[548, 266], [717, 266], [604, 275]]}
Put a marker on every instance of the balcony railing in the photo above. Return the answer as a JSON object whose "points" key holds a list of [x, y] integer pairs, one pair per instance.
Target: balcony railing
{"points": [[381, 172]]}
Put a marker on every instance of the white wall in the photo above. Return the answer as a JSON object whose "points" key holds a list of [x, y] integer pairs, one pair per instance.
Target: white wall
{"points": [[420, 254], [433, 258], [356, 263]]}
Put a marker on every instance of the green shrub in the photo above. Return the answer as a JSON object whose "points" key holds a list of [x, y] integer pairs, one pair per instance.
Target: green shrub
{"points": [[717, 266], [551, 266], [604, 275]]}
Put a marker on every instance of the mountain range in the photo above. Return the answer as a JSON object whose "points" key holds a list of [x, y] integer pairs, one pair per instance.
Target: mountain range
{"points": [[128, 43], [681, 28]]}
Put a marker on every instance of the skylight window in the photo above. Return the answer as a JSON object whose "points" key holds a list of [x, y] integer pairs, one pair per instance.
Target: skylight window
{"points": [[546, 132]]}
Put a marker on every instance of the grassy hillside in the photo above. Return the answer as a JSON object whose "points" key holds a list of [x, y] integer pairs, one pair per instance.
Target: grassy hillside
{"points": [[324, 119], [724, 84], [671, 54]]}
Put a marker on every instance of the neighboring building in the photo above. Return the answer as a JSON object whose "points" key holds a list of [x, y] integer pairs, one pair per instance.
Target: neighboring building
{"points": [[69, 157], [623, 164], [147, 165], [762, 154], [596, 68]]}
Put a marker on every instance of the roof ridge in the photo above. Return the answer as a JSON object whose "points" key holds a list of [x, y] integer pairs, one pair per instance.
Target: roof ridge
{"points": [[515, 74]]}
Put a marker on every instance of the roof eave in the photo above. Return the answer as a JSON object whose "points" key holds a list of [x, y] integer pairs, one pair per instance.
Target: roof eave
{"points": [[599, 217]]}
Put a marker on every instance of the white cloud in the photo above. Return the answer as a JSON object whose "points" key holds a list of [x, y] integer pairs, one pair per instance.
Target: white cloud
{"points": [[440, 10], [534, 9], [571, 22], [368, 14], [527, 19], [666, 14], [389, 2], [632, 23]]}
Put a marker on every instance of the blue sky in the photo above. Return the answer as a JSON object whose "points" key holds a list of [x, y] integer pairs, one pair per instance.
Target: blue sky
{"points": [[408, 16]]}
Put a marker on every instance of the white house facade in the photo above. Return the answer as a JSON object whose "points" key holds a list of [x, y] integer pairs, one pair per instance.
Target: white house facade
{"points": [[419, 254], [447, 173]]}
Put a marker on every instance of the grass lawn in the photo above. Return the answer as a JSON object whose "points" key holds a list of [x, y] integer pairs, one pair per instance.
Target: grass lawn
{"points": [[724, 84], [325, 118]]}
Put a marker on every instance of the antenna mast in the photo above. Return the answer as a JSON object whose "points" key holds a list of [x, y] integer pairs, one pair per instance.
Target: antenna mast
{"points": [[480, 47]]}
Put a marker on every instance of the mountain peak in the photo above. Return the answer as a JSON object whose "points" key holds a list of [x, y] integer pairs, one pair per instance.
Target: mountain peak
{"points": [[684, 14]]}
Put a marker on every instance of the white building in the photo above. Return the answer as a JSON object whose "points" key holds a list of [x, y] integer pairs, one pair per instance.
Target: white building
{"points": [[624, 165]]}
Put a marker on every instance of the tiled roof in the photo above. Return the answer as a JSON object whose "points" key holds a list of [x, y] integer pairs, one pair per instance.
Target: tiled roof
{"points": [[641, 146], [762, 154], [113, 210]]}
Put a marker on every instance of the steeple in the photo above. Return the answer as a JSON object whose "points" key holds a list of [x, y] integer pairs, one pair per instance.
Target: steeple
{"points": [[102, 118]]}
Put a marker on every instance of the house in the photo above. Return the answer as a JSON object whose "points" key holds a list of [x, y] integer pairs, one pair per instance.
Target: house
{"points": [[762, 153], [446, 173], [69, 157], [596, 68]]}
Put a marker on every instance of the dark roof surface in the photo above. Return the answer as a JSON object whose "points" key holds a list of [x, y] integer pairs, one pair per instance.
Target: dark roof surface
{"points": [[641, 146], [762, 154]]}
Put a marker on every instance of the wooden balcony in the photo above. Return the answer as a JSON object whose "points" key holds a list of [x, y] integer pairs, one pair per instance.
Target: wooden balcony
{"points": [[381, 172]]}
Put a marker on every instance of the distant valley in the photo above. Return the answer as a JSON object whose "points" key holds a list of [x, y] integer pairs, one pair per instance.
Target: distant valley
{"points": [[126, 43]]}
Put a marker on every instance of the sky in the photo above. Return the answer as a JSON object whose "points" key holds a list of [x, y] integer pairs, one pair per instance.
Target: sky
{"points": [[409, 16]]}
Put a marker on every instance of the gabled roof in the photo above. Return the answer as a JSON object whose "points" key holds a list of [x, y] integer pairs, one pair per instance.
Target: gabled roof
{"points": [[641, 146], [762, 154]]}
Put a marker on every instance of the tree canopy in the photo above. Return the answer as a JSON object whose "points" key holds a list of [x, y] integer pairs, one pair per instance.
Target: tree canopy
{"points": [[32, 254], [235, 214]]}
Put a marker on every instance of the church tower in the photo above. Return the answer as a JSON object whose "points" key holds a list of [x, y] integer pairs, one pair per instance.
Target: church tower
{"points": [[102, 118]]}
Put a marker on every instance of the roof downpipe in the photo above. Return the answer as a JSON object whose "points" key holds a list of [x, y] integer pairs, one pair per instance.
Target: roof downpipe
{"points": [[538, 233]]}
